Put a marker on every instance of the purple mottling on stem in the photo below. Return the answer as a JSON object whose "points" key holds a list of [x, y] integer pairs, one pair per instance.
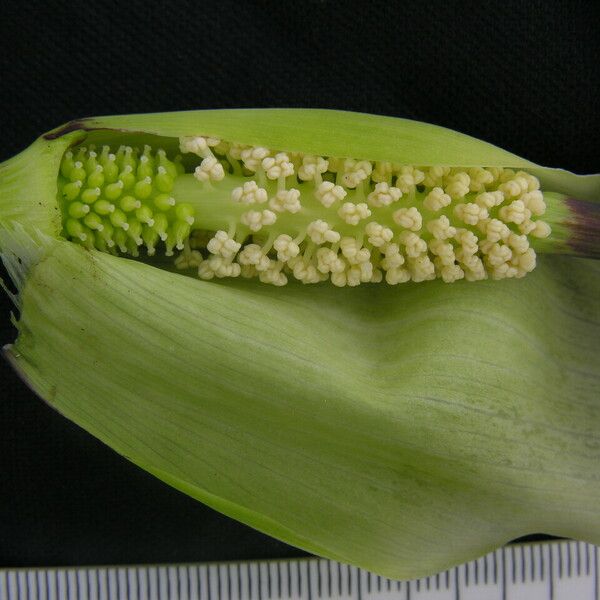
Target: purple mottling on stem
{"points": [[584, 225]]}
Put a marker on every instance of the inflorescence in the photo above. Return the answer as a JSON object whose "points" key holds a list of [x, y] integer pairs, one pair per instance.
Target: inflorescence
{"points": [[252, 212]]}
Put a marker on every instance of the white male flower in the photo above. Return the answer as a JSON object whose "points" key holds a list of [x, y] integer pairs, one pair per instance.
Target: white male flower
{"points": [[397, 275], [353, 251], [256, 219], [217, 266], [534, 201], [197, 145], [443, 250], [525, 263], [441, 228], [328, 261], [393, 257], [421, 268], [382, 171], [320, 232], [384, 195], [304, 270], [434, 176], [470, 213], [327, 193], [473, 268], [252, 157], [449, 272], [468, 241], [312, 168], [235, 150], [514, 187], [356, 172], [490, 199], [496, 254], [223, 245], [277, 166], [377, 234], [249, 193], [495, 230], [253, 254], [353, 213], [519, 243], [210, 169], [479, 179], [286, 200], [273, 274], [413, 244], [533, 183], [409, 218], [515, 212], [457, 185], [436, 199], [188, 260], [285, 247], [408, 178], [541, 229]]}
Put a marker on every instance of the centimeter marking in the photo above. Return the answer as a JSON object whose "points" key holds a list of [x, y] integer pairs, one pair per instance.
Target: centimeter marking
{"points": [[542, 571]]}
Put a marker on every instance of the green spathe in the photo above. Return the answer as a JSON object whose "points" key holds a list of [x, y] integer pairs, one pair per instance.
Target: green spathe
{"points": [[404, 429]]}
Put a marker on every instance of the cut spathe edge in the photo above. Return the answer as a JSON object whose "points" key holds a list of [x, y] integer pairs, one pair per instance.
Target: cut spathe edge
{"points": [[338, 133]]}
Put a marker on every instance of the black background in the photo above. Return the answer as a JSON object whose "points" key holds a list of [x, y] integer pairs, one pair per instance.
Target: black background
{"points": [[523, 75]]}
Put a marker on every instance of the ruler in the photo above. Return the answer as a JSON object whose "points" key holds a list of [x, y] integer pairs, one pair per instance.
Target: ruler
{"points": [[540, 571]]}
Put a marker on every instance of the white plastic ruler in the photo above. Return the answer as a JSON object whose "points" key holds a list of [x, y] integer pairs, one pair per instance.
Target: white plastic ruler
{"points": [[539, 571]]}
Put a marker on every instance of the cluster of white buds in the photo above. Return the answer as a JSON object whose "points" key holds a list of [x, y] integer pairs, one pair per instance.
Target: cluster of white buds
{"points": [[312, 168], [273, 274], [353, 251], [408, 218], [305, 271], [320, 232], [286, 201], [457, 185], [384, 195], [355, 172], [479, 179], [217, 266], [285, 247], [515, 212], [470, 213], [198, 145], [278, 166], [436, 199], [441, 229], [434, 176], [255, 220], [223, 245], [427, 222], [378, 235], [249, 193], [329, 261], [253, 157], [210, 169], [382, 173], [408, 178], [353, 213], [327, 193], [253, 254]]}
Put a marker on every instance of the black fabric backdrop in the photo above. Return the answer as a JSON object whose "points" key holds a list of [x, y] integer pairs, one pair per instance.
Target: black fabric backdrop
{"points": [[523, 75]]}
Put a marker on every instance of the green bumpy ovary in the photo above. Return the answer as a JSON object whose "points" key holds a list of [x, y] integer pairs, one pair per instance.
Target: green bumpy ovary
{"points": [[122, 200]]}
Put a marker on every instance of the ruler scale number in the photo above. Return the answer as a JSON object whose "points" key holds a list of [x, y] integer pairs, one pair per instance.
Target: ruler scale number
{"points": [[562, 570]]}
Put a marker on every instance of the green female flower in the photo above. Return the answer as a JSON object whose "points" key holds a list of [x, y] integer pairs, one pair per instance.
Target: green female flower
{"points": [[403, 428]]}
